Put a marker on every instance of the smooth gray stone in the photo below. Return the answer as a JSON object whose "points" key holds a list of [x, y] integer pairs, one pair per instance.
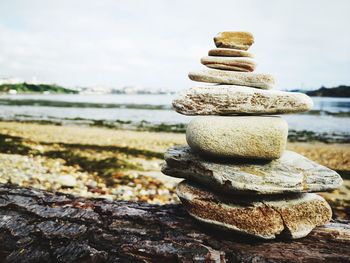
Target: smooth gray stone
{"points": [[238, 100], [292, 173]]}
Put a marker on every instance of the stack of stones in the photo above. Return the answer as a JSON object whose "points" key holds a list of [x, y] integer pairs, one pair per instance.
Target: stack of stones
{"points": [[238, 174]]}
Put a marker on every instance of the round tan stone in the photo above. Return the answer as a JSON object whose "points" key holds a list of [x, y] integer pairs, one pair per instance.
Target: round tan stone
{"points": [[234, 39], [292, 216], [238, 137], [229, 63]]}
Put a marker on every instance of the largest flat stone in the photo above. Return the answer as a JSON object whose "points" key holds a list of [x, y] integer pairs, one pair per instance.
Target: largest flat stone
{"points": [[238, 100], [288, 216], [292, 173]]}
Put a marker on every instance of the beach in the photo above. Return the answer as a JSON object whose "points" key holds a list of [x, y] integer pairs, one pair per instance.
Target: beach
{"points": [[100, 162]]}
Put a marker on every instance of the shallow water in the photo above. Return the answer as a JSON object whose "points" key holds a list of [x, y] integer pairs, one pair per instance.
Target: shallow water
{"points": [[316, 123]]}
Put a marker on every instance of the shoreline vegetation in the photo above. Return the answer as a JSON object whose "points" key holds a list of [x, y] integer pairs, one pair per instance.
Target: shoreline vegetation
{"points": [[293, 135], [341, 91], [122, 165]]}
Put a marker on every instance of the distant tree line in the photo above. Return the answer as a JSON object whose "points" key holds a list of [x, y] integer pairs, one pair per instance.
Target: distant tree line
{"points": [[35, 88]]}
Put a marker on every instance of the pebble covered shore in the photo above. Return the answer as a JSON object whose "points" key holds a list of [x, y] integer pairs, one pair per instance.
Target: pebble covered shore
{"points": [[24, 152]]}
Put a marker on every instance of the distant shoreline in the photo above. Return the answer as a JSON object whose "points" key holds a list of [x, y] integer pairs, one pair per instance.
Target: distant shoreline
{"points": [[341, 91], [66, 104]]}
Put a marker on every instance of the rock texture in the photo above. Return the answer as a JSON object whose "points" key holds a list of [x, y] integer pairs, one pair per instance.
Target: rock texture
{"points": [[238, 137], [234, 39], [292, 173], [229, 63], [228, 52], [38, 226], [238, 100], [288, 216], [257, 80]]}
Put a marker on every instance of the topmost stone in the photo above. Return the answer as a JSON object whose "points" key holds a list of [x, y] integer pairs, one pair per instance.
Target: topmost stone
{"points": [[236, 40]]}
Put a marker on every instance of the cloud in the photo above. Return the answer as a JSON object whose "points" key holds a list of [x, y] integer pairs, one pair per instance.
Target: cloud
{"points": [[155, 43]]}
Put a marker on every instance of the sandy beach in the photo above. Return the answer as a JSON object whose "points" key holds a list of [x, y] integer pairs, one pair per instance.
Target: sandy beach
{"points": [[121, 164]]}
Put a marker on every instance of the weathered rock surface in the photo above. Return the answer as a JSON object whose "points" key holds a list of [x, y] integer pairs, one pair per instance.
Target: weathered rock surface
{"points": [[228, 52], [292, 173], [249, 79], [234, 39], [38, 226], [238, 137], [238, 100], [229, 63], [288, 216]]}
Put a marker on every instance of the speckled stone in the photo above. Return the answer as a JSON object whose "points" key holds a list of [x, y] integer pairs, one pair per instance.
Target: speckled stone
{"points": [[229, 63], [228, 52], [269, 217], [238, 100], [292, 173], [249, 79], [238, 137], [234, 39]]}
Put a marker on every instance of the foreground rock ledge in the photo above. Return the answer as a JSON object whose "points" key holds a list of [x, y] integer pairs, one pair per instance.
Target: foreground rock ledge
{"points": [[37, 226]]}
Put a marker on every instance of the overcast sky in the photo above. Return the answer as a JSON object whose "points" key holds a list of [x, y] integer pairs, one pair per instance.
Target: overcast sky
{"points": [[155, 43]]}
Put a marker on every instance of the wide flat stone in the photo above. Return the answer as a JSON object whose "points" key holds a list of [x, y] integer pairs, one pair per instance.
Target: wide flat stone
{"points": [[283, 216], [229, 52], [238, 100], [234, 39], [238, 137], [292, 173], [229, 63], [249, 79]]}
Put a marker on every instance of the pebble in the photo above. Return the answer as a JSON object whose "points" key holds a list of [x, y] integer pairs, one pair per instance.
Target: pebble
{"points": [[229, 63], [67, 180], [249, 79], [228, 52]]}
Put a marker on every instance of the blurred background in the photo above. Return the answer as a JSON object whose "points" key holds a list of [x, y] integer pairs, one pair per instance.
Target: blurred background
{"points": [[86, 87]]}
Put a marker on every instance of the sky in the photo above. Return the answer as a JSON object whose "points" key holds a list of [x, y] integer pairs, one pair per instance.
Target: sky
{"points": [[155, 43]]}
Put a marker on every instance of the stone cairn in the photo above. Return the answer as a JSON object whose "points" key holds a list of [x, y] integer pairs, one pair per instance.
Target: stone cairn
{"points": [[238, 174]]}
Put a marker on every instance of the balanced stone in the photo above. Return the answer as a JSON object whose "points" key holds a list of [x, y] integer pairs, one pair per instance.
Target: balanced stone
{"points": [[270, 217], [228, 52], [229, 63], [234, 39], [256, 80], [238, 137], [238, 100], [292, 173]]}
